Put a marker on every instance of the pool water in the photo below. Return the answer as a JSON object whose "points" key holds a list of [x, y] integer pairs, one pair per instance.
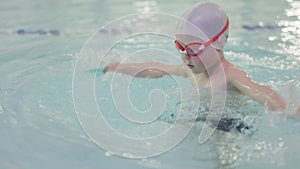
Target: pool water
{"points": [[40, 46]]}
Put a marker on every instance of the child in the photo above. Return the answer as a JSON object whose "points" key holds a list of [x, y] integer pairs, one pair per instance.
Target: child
{"points": [[200, 40]]}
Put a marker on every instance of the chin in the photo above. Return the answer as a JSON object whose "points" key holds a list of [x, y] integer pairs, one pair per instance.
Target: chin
{"points": [[196, 71]]}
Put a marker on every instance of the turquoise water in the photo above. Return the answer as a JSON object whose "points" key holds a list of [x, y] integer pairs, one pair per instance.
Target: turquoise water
{"points": [[41, 42]]}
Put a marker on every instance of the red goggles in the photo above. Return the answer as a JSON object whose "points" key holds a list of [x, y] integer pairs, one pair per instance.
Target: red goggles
{"points": [[194, 49]]}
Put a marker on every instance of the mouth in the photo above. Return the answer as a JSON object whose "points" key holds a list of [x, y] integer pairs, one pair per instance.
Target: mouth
{"points": [[190, 66]]}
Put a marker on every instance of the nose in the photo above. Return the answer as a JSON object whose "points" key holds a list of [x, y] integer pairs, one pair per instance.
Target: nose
{"points": [[186, 59], [186, 56]]}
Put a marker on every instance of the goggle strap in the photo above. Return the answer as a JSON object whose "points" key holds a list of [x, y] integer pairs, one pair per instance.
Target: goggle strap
{"points": [[215, 38]]}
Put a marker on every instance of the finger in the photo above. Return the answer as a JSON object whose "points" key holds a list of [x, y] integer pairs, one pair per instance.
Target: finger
{"points": [[105, 70]]}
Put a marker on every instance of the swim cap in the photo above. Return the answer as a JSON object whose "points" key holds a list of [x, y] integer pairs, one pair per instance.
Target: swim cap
{"points": [[205, 20]]}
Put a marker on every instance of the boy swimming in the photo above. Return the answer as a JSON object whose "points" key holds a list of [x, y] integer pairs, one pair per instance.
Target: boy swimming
{"points": [[201, 48]]}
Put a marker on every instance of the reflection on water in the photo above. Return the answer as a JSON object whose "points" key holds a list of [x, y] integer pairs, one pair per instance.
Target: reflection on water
{"points": [[290, 35]]}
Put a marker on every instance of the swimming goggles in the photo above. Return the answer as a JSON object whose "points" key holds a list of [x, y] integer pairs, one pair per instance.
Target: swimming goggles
{"points": [[194, 49]]}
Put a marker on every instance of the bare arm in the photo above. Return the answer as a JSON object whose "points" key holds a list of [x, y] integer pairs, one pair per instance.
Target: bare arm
{"points": [[256, 91], [148, 69]]}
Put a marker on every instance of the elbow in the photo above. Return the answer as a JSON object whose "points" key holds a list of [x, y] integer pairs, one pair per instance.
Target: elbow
{"points": [[155, 74], [150, 75]]}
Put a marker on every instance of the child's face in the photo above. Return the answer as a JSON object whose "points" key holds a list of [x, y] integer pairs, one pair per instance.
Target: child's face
{"points": [[204, 60]]}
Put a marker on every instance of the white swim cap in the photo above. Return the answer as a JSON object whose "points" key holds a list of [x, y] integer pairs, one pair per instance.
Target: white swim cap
{"points": [[206, 21]]}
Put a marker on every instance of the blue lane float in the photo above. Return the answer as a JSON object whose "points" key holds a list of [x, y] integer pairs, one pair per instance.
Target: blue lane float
{"points": [[38, 32], [116, 31], [55, 32], [260, 27]]}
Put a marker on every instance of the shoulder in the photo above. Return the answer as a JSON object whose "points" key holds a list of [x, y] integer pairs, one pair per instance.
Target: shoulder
{"points": [[241, 81], [239, 78], [234, 73]]}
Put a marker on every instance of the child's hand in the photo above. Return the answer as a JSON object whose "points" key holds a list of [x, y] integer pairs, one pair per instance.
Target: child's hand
{"points": [[294, 111], [297, 111], [111, 67]]}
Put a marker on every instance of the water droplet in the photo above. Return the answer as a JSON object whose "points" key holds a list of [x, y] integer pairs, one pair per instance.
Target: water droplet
{"points": [[1, 110], [272, 38], [108, 154], [128, 155]]}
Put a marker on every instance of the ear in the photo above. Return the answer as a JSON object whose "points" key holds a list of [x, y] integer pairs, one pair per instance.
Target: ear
{"points": [[220, 52]]}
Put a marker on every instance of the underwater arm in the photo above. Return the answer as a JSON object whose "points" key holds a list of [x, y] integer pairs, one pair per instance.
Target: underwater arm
{"points": [[257, 92], [148, 69]]}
